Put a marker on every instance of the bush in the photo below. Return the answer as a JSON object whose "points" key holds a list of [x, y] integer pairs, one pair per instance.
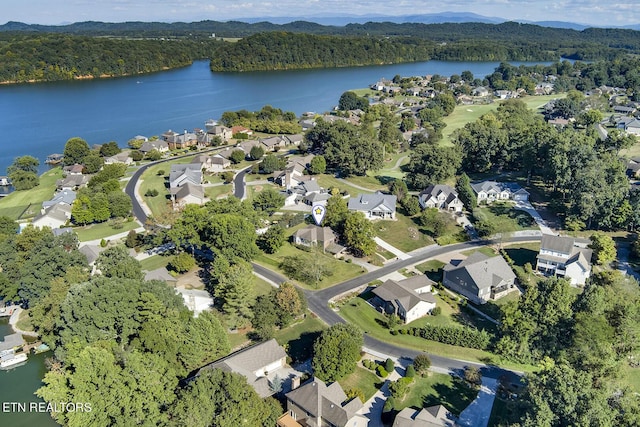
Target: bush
{"points": [[227, 176], [137, 155], [182, 263], [152, 192], [462, 336], [160, 172], [382, 373], [411, 372], [436, 311], [422, 363], [399, 388], [389, 366], [389, 405], [473, 375]]}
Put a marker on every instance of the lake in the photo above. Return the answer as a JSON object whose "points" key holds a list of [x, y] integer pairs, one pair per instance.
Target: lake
{"points": [[38, 119]]}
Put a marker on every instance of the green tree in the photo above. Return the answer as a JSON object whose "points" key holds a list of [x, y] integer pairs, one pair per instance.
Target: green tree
{"points": [[272, 163], [265, 317], [8, 228], [237, 156], [153, 155], [256, 152], [22, 180], [604, 248], [231, 235], [119, 204], [465, 192], [411, 205], [182, 263], [75, 151], [110, 149], [290, 303], [92, 163], [24, 163], [308, 268], [359, 234], [351, 101], [336, 352], [398, 188], [268, 200], [235, 290], [336, 211], [422, 363], [117, 263], [272, 239], [432, 164], [318, 165]]}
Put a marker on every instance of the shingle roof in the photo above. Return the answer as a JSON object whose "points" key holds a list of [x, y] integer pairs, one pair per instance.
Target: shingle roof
{"points": [[314, 233], [483, 270], [370, 202], [433, 416], [404, 292], [486, 186]]}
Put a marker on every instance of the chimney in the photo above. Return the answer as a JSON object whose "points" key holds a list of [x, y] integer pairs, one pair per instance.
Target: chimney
{"points": [[295, 382]]}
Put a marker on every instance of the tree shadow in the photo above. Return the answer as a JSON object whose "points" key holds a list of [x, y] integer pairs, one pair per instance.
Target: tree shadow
{"points": [[455, 396], [385, 180], [301, 348]]}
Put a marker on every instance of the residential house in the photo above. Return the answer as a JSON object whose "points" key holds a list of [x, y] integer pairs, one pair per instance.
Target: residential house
{"points": [[180, 174], [223, 132], [123, 157], [323, 237], [179, 140], [72, 182], [308, 192], [259, 364], [186, 194], [623, 109], [91, 252], [54, 216], [291, 177], [65, 196], [409, 299], [432, 416], [219, 164], [374, 206], [633, 167], [316, 404], [159, 146], [490, 191], [241, 129], [247, 145], [565, 256], [633, 127], [295, 139], [161, 274], [479, 277], [75, 169], [273, 143], [442, 197]]}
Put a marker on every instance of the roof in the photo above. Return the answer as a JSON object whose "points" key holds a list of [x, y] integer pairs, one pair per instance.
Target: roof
{"points": [[433, 191], [316, 397], [572, 248], [370, 202], [483, 271], [562, 244], [403, 292], [314, 233], [251, 359], [486, 186], [183, 173], [91, 252], [187, 190], [433, 416], [159, 274], [64, 196], [59, 211]]}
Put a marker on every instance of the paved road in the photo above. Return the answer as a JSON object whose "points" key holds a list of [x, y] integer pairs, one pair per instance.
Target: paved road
{"points": [[239, 184]]}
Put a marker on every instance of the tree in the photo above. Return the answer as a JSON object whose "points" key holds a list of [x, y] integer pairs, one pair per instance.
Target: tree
{"points": [[24, 163], [117, 263], [92, 163], [359, 234], [272, 163], [422, 363], [268, 200], [337, 351], [398, 188], [272, 239], [230, 235], [235, 290], [132, 239], [336, 211], [119, 204], [256, 152], [465, 193], [410, 205], [237, 156], [110, 149], [432, 164], [308, 268], [8, 227], [604, 248], [22, 180], [265, 317], [182, 263], [75, 151], [290, 303], [351, 101], [318, 165], [472, 375], [153, 155]]}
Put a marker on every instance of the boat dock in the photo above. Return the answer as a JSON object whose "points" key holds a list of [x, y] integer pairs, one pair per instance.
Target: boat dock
{"points": [[54, 159], [11, 341]]}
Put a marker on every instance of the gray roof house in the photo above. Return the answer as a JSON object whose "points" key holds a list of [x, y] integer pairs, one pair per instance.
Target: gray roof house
{"points": [[188, 193], [374, 206], [65, 196], [258, 364], [410, 298], [441, 197], [490, 191], [317, 404], [566, 257], [479, 278], [161, 274], [182, 173], [313, 235], [433, 416], [54, 216], [159, 145]]}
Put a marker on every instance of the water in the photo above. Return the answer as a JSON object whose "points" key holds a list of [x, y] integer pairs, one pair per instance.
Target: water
{"points": [[18, 385], [38, 119]]}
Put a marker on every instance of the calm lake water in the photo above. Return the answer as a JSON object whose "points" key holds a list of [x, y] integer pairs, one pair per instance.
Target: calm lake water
{"points": [[38, 119]]}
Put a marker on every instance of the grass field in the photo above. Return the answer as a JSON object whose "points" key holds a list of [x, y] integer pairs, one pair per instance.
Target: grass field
{"points": [[218, 192], [154, 262], [154, 178], [444, 389], [504, 217], [330, 181], [104, 230], [16, 203], [362, 379], [464, 114], [403, 233], [298, 339]]}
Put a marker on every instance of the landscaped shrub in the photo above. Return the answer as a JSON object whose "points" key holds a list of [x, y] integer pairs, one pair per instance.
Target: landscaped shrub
{"points": [[422, 363], [463, 336], [389, 366], [436, 311], [411, 372], [399, 388], [382, 373], [152, 192]]}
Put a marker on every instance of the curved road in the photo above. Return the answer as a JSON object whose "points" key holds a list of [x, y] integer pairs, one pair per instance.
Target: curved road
{"points": [[239, 184], [318, 300]]}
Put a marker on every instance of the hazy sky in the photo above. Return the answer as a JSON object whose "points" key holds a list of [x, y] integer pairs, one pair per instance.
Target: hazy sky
{"points": [[594, 12]]}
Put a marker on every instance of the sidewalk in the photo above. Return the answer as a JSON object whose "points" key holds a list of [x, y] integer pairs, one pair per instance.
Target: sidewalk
{"points": [[397, 252]]}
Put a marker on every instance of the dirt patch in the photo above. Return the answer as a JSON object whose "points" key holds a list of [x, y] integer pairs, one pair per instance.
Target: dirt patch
{"points": [[190, 280], [414, 234]]}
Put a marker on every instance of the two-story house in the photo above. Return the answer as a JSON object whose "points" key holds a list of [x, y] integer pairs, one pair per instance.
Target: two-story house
{"points": [[441, 197], [565, 256]]}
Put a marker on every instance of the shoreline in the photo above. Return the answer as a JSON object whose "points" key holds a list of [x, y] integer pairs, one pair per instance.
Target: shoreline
{"points": [[91, 77]]}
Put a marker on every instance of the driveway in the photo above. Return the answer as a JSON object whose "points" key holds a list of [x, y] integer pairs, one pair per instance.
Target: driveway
{"points": [[397, 252], [478, 412], [542, 224]]}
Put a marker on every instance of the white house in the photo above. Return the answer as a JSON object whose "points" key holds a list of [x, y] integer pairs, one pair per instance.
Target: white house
{"points": [[565, 256], [410, 298], [54, 216], [374, 206], [442, 197], [490, 191]]}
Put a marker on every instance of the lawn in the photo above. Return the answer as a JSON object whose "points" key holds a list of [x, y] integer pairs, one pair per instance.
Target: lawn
{"points": [[24, 321], [362, 379], [464, 114], [432, 268], [218, 192], [252, 190], [361, 314], [450, 391], [104, 229], [298, 338], [154, 262], [16, 203], [504, 217], [152, 180], [330, 181], [523, 253], [403, 233], [341, 270]]}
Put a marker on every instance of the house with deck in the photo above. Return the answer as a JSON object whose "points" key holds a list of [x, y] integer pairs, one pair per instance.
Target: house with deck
{"points": [[565, 256], [374, 206], [409, 299]]}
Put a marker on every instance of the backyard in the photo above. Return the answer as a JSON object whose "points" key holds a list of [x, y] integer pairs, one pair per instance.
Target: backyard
{"points": [[27, 203]]}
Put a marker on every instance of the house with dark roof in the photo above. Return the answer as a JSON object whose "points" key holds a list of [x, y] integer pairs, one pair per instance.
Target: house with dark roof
{"points": [[409, 299], [479, 277], [65, 196], [374, 206], [441, 197], [566, 257], [316, 404], [323, 237], [490, 191], [186, 194], [273, 143], [54, 216], [432, 416], [259, 364]]}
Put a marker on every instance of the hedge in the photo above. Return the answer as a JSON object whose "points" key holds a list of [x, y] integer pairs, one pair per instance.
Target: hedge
{"points": [[454, 335]]}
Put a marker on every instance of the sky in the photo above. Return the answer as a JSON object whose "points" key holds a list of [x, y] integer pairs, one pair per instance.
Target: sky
{"points": [[54, 12]]}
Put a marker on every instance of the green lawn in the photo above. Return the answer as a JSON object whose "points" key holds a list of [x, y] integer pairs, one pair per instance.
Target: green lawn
{"points": [[504, 217], [16, 203], [330, 181], [403, 233], [298, 339], [252, 190], [154, 178], [464, 114], [432, 268], [523, 253], [361, 314], [488, 251], [218, 192], [24, 321], [452, 392], [104, 230], [156, 261], [340, 270], [362, 379]]}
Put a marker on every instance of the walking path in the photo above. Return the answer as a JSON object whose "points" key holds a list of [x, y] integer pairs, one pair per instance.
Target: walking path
{"points": [[478, 412], [397, 252], [13, 321]]}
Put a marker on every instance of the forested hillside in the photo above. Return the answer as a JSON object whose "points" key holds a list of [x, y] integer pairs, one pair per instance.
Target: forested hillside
{"points": [[51, 57]]}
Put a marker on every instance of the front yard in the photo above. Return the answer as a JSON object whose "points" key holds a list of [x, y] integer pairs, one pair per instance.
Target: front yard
{"points": [[104, 230], [27, 203], [503, 217], [403, 233], [362, 379]]}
